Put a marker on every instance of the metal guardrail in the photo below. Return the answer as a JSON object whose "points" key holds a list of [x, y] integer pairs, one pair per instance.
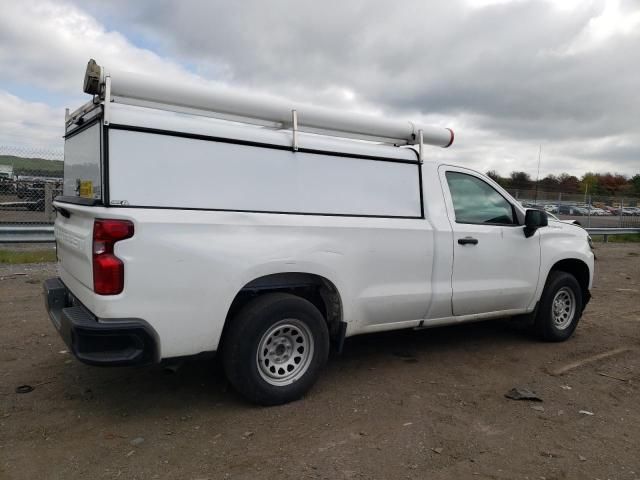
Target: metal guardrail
{"points": [[26, 233], [611, 231], [44, 233]]}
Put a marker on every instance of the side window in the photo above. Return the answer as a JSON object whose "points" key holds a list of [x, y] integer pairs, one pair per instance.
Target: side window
{"points": [[475, 201]]}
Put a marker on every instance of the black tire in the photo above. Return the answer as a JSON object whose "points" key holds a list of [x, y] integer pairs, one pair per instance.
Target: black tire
{"points": [[245, 369], [549, 326]]}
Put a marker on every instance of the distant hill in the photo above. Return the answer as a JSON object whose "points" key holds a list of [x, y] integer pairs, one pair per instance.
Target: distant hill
{"points": [[33, 166]]}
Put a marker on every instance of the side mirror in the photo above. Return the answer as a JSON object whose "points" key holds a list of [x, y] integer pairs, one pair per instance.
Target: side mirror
{"points": [[533, 220]]}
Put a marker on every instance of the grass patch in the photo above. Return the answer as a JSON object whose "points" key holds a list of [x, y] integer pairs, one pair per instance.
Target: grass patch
{"points": [[15, 257], [624, 238]]}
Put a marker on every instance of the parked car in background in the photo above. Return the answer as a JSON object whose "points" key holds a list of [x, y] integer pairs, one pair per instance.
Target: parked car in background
{"points": [[636, 210], [580, 210], [595, 211], [568, 210], [591, 210], [32, 190], [7, 185], [7, 182], [551, 208]]}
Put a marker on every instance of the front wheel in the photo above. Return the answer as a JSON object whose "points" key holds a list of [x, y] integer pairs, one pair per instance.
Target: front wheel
{"points": [[275, 348], [560, 307]]}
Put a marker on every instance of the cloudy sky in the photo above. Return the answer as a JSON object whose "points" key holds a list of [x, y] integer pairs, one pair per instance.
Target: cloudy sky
{"points": [[507, 76]]}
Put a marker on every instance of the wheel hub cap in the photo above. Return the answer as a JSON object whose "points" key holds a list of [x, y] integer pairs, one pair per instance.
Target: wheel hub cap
{"points": [[285, 352], [563, 308]]}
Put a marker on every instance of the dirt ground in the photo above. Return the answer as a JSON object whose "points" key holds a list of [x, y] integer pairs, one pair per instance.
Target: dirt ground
{"points": [[410, 404]]}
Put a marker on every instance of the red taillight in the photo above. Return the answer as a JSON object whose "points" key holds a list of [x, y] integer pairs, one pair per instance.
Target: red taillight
{"points": [[108, 270]]}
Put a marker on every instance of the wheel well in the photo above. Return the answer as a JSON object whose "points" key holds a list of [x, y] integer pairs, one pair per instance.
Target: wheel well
{"points": [[321, 292], [578, 269]]}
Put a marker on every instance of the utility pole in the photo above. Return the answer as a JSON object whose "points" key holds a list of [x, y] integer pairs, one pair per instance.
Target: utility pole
{"points": [[538, 177], [586, 190]]}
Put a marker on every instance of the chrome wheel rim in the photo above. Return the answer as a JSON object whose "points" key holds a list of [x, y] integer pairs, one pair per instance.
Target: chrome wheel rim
{"points": [[563, 308], [285, 352]]}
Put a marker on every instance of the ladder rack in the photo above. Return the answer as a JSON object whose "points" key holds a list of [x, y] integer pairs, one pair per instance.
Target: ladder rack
{"points": [[229, 104]]}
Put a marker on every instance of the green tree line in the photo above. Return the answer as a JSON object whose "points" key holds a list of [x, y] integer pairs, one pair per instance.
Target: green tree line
{"points": [[610, 184]]}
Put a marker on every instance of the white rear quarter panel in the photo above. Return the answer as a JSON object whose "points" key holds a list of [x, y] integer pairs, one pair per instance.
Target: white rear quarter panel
{"points": [[184, 268]]}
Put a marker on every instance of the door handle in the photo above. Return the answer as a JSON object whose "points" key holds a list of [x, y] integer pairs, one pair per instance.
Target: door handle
{"points": [[468, 241]]}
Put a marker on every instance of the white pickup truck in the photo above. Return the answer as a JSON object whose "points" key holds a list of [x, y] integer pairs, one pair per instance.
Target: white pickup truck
{"points": [[202, 220]]}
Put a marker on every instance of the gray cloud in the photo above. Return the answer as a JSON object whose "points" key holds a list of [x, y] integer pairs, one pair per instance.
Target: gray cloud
{"points": [[524, 71], [28, 125], [508, 76]]}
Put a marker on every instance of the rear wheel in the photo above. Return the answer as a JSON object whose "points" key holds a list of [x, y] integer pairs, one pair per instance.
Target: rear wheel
{"points": [[560, 307], [275, 348]]}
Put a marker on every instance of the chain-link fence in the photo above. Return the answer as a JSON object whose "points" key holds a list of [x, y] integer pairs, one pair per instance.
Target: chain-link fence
{"points": [[587, 210], [29, 180]]}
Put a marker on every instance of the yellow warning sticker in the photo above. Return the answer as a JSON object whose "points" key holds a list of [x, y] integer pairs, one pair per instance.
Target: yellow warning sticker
{"points": [[86, 188]]}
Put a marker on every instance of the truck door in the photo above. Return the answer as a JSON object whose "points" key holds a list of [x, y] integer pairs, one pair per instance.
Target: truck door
{"points": [[495, 267]]}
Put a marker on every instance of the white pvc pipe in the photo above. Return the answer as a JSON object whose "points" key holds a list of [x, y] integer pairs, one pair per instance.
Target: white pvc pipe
{"points": [[311, 118]]}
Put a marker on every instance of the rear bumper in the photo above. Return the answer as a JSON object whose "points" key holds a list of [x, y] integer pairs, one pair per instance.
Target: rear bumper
{"points": [[112, 342]]}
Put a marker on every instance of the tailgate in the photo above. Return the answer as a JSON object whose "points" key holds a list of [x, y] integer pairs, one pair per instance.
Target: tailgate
{"points": [[74, 241]]}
